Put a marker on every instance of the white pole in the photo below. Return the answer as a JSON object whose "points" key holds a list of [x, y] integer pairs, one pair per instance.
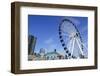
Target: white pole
{"points": [[72, 46], [79, 46], [82, 44]]}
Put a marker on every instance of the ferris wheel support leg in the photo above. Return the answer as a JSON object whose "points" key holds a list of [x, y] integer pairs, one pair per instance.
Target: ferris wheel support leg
{"points": [[72, 47], [79, 47], [84, 45]]}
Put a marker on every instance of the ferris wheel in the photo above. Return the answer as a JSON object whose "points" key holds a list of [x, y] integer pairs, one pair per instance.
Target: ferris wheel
{"points": [[71, 40]]}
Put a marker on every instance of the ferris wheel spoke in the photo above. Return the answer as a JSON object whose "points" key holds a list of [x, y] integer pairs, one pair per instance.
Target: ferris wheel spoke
{"points": [[69, 44], [66, 35]]}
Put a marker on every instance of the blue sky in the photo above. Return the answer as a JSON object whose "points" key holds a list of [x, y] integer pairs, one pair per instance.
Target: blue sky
{"points": [[45, 28]]}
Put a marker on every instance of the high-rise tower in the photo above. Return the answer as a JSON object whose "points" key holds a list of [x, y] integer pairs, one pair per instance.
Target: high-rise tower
{"points": [[31, 44]]}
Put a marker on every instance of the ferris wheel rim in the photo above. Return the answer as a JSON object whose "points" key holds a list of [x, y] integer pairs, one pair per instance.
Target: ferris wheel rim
{"points": [[60, 33]]}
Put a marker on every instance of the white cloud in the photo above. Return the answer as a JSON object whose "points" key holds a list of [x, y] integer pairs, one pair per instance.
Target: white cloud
{"points": [[48, 41], [50, 44]]}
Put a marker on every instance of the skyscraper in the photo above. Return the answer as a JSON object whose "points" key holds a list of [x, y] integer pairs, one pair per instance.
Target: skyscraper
{"points": [[31, 44]]}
